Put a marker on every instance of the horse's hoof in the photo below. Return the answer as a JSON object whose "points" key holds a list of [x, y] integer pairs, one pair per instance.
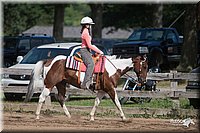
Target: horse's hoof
{"points": [[92, 119], [37, 118], [124, 119], [69, 116]]}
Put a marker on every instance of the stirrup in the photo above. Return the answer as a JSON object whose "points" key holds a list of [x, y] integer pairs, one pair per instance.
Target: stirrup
{"points": [[91, 88]]}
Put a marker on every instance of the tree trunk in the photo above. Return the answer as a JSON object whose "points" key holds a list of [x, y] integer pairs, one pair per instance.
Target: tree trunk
{"points": [[189, 49], [198, 16], [198, 33], [157, 15], [97, 12], [58, 26]]}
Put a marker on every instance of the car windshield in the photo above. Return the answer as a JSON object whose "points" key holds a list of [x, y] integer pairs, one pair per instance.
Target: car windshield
{"points": [[142, 35], [36, 54], [9, 43]]}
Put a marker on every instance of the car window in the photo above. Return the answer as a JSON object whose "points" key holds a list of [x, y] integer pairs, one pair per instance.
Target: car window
{"points": [[135, 36], [46, 41], [141, 35], [35, 55], [172, 36], [36, 42], [10, 43], [24, 44]]}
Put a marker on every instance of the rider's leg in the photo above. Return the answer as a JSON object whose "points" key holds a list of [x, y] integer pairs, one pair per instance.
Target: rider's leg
{"points": [[88, 61]]}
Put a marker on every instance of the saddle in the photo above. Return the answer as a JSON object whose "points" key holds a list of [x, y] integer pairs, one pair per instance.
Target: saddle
{"points": [[98, 61], [95, 57]]}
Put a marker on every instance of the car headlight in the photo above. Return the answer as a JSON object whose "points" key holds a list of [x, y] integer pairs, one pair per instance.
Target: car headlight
{"points": [[5, 76], [143, 50], [170, 49]]}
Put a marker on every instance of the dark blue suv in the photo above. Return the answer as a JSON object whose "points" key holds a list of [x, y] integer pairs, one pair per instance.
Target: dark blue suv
{"points": [[20, 45]]}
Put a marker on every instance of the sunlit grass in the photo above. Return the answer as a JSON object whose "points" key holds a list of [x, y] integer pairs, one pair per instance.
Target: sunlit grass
{"points": [[154, 103]]}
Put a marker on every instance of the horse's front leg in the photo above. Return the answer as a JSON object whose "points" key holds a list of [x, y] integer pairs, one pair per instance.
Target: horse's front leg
{"points": [[42, 98], [114, 97], [100, 95]]}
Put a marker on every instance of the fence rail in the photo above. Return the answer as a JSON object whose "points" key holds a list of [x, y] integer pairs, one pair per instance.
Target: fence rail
{"points": [[173, 77]]}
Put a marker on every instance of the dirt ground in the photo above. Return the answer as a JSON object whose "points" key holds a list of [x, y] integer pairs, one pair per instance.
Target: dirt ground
{"points": [[26, 122]]}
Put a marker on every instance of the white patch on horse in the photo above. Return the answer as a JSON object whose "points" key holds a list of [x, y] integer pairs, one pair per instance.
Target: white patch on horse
{"points": [[59, 57], [118, 63], [82, 75]]}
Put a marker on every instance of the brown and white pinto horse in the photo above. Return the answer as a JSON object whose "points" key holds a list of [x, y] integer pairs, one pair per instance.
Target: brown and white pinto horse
{"points": [[56, 74]]}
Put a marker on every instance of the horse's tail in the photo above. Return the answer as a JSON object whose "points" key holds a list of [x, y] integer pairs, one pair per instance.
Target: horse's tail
{"points": [[35, 76]]}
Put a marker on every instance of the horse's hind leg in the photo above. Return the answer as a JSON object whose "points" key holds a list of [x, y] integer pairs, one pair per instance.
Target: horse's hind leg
{"points": [[114, 97], [61, 86], [100, 95], [42, 98]]}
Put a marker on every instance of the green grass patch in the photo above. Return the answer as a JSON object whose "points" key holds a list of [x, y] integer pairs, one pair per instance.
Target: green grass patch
{"points": [[154, 103]]}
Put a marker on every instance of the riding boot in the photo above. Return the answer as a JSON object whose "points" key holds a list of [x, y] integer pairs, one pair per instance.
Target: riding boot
{"points": [[90, 87]]}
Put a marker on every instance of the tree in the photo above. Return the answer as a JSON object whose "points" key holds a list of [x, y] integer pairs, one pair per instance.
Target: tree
{"points": [[198, 16], [96, 14], [19, 17], [157, 15], [75, 12], [189, 49], [126, 16], [58, 22]]}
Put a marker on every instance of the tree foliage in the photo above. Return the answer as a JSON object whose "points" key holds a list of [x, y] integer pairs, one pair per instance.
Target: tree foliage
{"points": [[19, 17], [127, 15], [74, 13], [140, 15]]}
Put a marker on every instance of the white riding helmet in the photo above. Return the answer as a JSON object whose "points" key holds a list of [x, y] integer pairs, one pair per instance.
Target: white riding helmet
{"points": [[86, 20]]}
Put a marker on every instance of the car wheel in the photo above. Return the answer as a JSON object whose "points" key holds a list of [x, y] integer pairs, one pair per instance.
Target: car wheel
{"points": [[156, 59], [195, 102]]}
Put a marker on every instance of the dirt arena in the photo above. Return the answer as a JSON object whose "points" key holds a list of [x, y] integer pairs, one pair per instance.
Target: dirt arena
{"points": [[16, 121]]}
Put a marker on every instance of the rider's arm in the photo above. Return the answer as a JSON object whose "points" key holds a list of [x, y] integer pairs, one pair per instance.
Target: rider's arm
{"points": [[87, 38]]}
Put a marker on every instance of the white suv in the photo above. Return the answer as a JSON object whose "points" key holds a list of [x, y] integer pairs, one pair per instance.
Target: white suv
{"points": [[10, 82]]}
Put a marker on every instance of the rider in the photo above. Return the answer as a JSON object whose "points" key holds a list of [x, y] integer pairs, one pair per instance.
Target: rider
{"points": [[85, 51]]}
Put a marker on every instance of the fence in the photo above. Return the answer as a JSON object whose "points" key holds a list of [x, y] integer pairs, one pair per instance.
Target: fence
{"points": [[173, 92], [173, 77]]}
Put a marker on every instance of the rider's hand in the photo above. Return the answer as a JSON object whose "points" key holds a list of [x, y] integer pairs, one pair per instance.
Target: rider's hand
{"points": [[101, 53]]}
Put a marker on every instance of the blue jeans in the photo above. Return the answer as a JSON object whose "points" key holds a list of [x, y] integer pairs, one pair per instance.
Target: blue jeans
{"points": [[88, 61]]}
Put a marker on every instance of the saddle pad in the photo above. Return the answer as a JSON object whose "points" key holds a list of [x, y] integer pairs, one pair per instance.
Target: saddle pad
{"points": [[74, 64]]}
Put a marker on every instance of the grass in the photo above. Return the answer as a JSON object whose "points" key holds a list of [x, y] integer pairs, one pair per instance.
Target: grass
{"points": [[154, 103]]}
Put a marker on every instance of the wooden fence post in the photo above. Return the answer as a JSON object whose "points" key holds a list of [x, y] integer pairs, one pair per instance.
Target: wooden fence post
{"points": [[173, 88]]}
